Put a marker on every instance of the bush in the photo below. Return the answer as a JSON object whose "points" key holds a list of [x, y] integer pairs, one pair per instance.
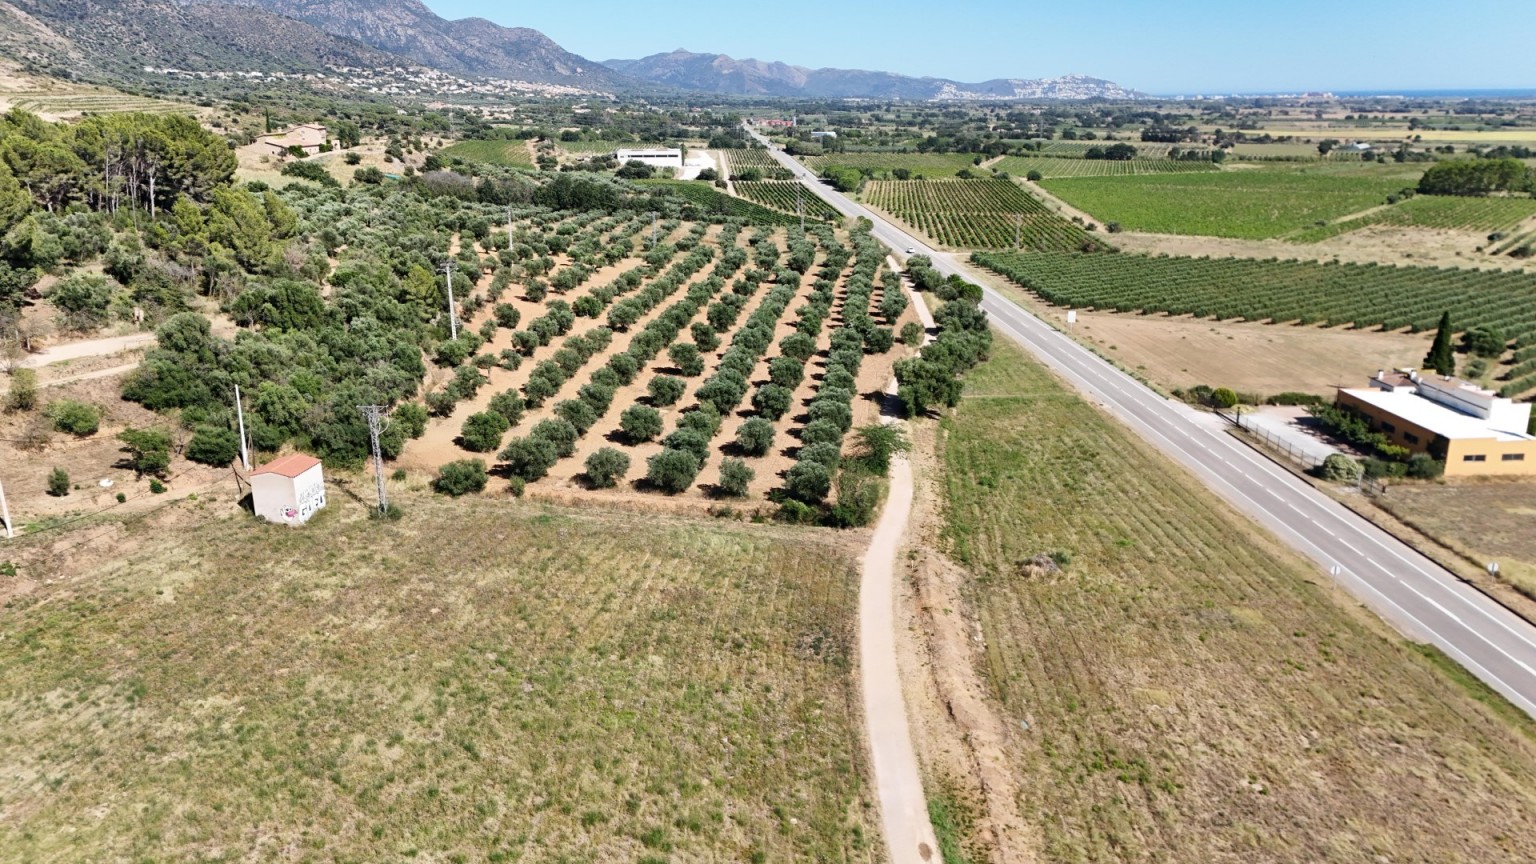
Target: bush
{"points": [[799, 346], [692, 440], [577, 413], [607, 467], [640, 423], [877, 443], [1291, 397], [75, 417], [808, 482], [735, 477], [1223, 397], [1422, 466], [772, 401], [858, 497], [672, 470], [156, 487], [558, 432], [665, 390], [23, 394], [58, 483], [1338, 468], [912, 334], [411, 418], [755, 437], [834, 412], [786, 372], [529, 458], [148, 450], [1034, 176], [460, 477], [829, 455], [507, 316], [213, 446], [821, 432], [482, 432], [685, 356], [510, 405]]}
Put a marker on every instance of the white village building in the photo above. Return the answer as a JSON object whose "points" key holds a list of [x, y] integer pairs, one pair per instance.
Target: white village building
{"points": [[289, 489], [669, 157]]}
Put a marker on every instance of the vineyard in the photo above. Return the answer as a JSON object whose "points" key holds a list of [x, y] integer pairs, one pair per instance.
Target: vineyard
{"points": [[44, 102], [509, 153], [1052, 167], [755, 159], [1251, 203], [598, 148], [712, 201], [1144, 149], [975, 214], [780, 195], [1304, 292], [1481, 215], [929, 165]]}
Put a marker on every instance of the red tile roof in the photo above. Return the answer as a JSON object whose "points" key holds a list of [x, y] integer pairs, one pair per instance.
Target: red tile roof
{"points": [[290, 466]]}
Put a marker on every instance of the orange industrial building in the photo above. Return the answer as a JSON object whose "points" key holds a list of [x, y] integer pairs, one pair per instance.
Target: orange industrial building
{"points": [[1474, 431]]}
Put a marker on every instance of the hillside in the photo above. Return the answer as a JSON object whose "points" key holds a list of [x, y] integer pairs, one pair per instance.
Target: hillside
{"points": [[717, 73], [121, 38], [471, 46]]}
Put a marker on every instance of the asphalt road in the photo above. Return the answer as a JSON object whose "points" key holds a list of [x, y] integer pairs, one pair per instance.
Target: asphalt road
{"points": [[1423, 600]]}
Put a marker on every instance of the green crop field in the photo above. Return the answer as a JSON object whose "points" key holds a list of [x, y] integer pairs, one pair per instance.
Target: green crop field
{"points": [[780, 195], [1051, 167], [1144, 149], [549, 685], [714, 201], [1304, 292], [930, 165], [1184, 690], [512, 153], [738, 161], [1247, 203], [975, 214], [1482, 215]]}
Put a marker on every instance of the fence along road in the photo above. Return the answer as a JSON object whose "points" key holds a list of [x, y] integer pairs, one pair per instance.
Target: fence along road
{"points": [[1422, 599]]}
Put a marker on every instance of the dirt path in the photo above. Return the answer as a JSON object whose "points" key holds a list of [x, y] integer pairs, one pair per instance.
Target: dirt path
{"points": [[909, 837], [88, 348]]}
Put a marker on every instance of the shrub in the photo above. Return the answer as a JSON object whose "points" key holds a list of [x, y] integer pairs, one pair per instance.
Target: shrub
{"points": [[213, 446], [829, 455], [156, 487], [705, 420], [821, 432], [460, 477], [640, 423], [507, 316], [577, 413], [510, 405], [411, 418], [665, 390], [878, 340], [625, 366], [1034, 176], [1338, 468], [808, 482], [529, 458], [858, 496], [1422, 466], [148, 450], [1223, 397], [75, 417], [558, 432], [482, 432], [691, 440], [607, 467], [685, 356], [755, 437], [672, 470], [735, 477], [786, 372], [877, 443], [834, 412], [799, 346], [23, 394], [58, 483], [772, 401]]}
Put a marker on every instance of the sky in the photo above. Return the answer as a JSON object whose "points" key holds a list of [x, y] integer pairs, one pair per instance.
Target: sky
{"points": [[1169, 47]]}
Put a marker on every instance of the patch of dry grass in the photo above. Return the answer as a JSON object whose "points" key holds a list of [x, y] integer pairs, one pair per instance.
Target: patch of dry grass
{"points": [[484, 680], [1190, 692], [1492, 520]]}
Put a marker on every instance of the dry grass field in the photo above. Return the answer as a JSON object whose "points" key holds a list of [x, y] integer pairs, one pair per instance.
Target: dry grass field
{"points": [[1185, 690], [1487, 521], [485, 680]]}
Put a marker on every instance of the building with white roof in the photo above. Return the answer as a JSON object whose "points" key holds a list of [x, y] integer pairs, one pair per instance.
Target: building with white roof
{"points": [[664, 157], [1474, 431]]}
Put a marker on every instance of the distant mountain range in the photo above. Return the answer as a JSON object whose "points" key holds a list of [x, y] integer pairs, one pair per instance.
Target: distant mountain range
{"points": [[120, 38], [717, 73]]}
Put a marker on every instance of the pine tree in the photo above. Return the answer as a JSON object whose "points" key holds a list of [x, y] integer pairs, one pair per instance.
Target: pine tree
{"points": [[1440, 357]]}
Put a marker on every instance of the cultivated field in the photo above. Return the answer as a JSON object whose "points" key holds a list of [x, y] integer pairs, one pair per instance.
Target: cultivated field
{"points": [[1183, 690], [975, 214], [1480, 215], [1304, 292], [930, 165], [715, 202], [759, 160], [551, 685], [781, 195], [1052, 167], [1252, 203], [511, 153]]}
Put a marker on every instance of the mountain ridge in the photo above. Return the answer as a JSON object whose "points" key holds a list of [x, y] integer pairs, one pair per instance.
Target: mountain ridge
{"points": [[725, 75]]}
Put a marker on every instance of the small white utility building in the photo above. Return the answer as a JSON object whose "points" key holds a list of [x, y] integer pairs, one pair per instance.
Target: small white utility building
{"points": [[289, 489], [670, 157]]}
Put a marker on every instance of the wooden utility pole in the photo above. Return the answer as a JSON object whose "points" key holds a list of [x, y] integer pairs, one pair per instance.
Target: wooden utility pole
{"points": [[375, 415]]}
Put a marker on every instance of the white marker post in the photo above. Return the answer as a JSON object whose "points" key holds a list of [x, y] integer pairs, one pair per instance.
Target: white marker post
{"points": [[5, 512]]}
